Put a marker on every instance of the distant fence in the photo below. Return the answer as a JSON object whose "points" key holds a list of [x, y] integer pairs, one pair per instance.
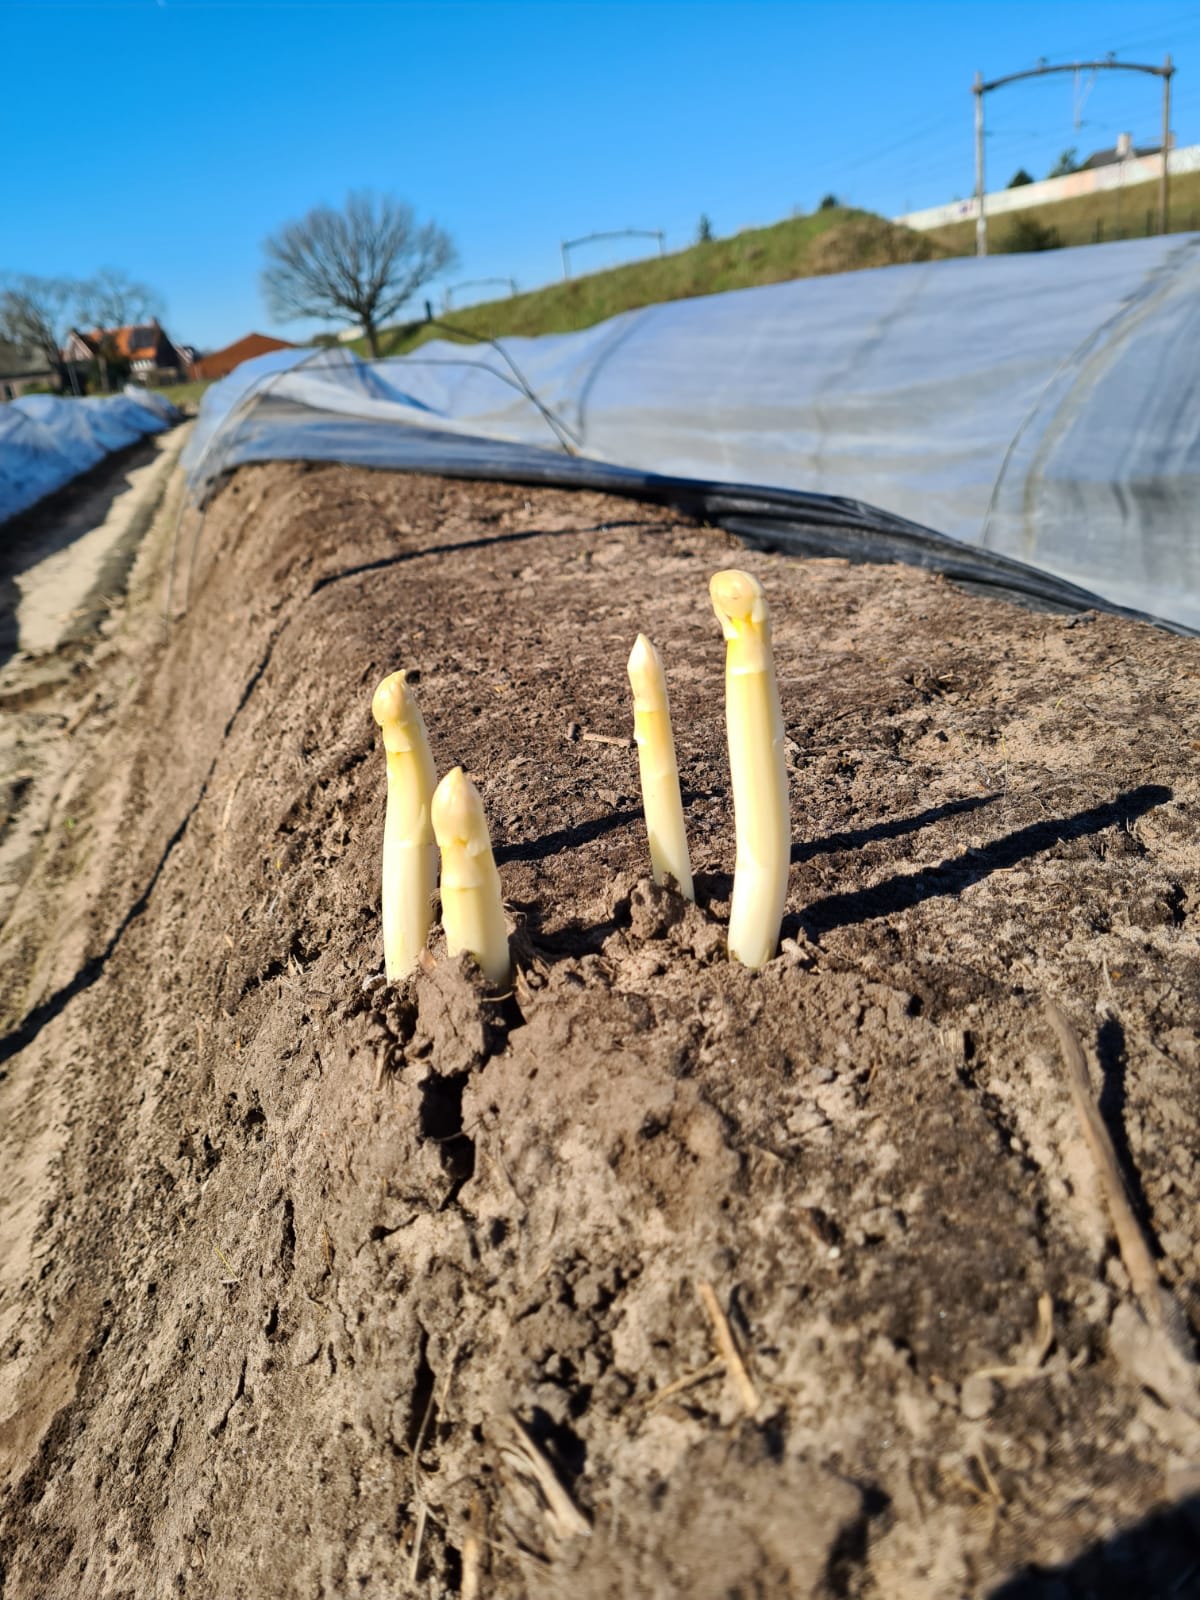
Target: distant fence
{"points": [[1141, 226]]}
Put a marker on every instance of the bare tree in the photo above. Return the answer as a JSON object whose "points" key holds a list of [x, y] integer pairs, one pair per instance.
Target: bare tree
{"points": [[112, 299], [35, 313], [358, 265]]}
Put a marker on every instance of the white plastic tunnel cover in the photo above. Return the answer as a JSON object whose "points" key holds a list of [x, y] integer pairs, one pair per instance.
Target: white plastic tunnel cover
{"points": [[1041, 410]]}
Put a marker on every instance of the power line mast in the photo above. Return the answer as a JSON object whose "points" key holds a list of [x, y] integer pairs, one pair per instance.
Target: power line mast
{"points": [[979, 88]]}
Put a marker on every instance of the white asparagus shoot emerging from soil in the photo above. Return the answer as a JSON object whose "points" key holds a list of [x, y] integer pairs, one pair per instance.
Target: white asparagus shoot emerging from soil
{"points": [[656, 762], [472, 909], [754, 725], [409, 851]]}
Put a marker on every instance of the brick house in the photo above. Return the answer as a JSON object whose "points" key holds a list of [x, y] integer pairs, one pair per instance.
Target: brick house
{"points": [[221, 362], [144, 346]]}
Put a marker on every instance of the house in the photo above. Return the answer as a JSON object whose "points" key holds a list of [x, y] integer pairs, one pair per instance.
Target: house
{"points": [[22, 369], [1123, 150], [221, 362], [143, 348]]}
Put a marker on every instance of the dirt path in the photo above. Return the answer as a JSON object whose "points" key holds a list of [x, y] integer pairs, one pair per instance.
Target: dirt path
{"points": [[316, 1287], [63, 574], [64, 560]]}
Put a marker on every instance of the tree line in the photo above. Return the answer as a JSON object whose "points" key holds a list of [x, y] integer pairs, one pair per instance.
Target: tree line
{"points": [[358, 265], [37, 314]]}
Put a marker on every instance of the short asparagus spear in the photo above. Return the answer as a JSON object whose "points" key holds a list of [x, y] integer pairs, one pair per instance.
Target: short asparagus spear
{"points": [[472, 908], [754, 725], [409, 851], [660, 775]]}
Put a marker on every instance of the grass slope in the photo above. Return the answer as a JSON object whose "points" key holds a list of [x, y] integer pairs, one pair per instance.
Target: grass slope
{"points": [[837, 240], [1091, 218]]}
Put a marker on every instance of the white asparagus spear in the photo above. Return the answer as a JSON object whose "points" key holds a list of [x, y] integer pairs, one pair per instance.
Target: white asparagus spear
{"points": [[754, 725], [656, 762], [409, 851], [472, 908]]}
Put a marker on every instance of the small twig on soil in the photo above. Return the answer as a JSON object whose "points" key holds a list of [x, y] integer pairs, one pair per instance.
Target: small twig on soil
{"points": [[469, 1589], [1157, 1347], [727, 1345], [84, 711], [959, 1480], [526, 1455], [418, 1540], [608, 738], [472, 1551], [418, 1446], [688, 1381], [1032, 1366], [1131, 1241], [228, 807], [226, 1263], [992, 1485]]}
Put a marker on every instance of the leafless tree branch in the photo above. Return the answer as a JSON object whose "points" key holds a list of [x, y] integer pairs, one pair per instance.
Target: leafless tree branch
{"points": [[112, 299], [35, 313], [360, 264]]}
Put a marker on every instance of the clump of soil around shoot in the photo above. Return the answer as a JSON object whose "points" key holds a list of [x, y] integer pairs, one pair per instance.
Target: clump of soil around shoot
{"points": [[314, 1285]]}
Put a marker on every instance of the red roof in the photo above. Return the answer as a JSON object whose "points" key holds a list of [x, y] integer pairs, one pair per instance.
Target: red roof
{"points": [[138, 342], [221, 362]]}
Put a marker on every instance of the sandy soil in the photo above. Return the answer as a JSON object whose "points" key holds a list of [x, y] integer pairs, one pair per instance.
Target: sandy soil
{"points": [[62, 560], [315, 1287]]}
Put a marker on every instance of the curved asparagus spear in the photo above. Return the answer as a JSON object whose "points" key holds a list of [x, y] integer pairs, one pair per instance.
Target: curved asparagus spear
{"points": [[409, 851], [754, 725], [656, 762], [472, 909]]}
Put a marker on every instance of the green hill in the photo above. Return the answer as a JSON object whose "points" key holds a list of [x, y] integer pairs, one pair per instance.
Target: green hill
{"points": [[835, 240]]}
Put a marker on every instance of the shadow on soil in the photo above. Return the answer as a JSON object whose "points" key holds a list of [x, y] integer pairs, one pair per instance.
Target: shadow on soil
{"points": [[564, 838], [1156, 1558], [952, 876], [1110, 1052], [840, 910], [853, 838]]}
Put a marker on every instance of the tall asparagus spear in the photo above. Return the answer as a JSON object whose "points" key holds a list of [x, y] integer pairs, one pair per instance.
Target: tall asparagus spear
{"points": [[754, 724], [660, 775], [409, 851]]}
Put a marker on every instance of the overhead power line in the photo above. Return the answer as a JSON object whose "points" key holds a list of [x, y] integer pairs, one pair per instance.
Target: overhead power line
{"points": [[979, 88]]}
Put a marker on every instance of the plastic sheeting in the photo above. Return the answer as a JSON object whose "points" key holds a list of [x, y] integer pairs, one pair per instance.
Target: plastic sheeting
{"points": [[1039, 410], [46, 440]]}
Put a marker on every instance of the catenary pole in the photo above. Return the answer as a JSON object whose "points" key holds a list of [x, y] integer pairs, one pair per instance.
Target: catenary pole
{"points": [[980, 218], [1164, 180], [979, 89]]}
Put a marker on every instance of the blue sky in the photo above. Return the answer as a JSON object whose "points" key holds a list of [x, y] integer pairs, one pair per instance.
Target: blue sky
{"points": [[168, 137]]}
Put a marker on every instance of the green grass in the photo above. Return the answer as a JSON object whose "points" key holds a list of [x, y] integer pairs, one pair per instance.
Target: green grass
{"points": [[184, 395], [837, 240], [1090, 218]]}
